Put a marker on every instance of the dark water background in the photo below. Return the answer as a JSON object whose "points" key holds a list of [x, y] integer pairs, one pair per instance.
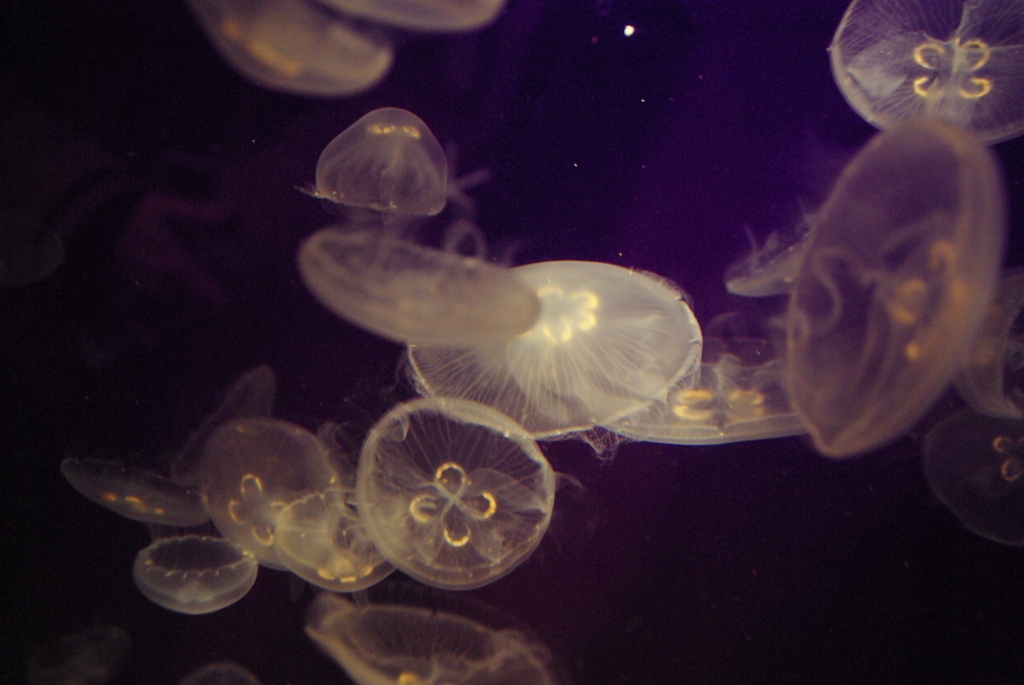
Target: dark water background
{"points": [[749, 563]]}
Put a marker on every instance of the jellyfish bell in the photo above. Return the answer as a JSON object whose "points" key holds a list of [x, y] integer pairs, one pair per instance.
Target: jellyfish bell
{"points": [[294, 46], [389, 162], [441, 16], [453, 493], [974, 464], [894, 284], [956, 60], [771, 268], [608, 342], [194, 574], [414, 294], [220, 673]]}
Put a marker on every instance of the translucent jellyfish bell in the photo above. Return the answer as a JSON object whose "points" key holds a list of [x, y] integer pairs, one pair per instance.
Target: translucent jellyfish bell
{"points": [[220, 673], [424, 15], [961, 61], [410, 293], [378, 644], [93, 656], [388, 161], [608, 342], [453, 493], [251, 470], [771, 268], [894, 285], [293, 46], [990, 380], [194, 574], [974, 464]]}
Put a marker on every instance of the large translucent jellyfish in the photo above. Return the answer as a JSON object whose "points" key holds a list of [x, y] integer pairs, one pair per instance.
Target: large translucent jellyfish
{"points": [[771, 268], [93, 656], [894, 285], [453, 493], [608, 342], [991, 378], [135, 493], [961, 61], [424, 15], [975, 466], [220, 673], [251, 470], [414, 294], [194, 574], [294, 46], [386, 644]]}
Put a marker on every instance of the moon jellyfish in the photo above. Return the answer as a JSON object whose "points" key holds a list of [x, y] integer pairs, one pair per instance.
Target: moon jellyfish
{"points": [[894, 285], [194, 574], [220, 673], [608, 342], [770, 269], [321, 539], [991, 380], [379, 644], [135, 493], [91, 657], [424, 15], [961, 61], [975, 466], [410, 293], [293, 46], [453, 493], [387, 161], [251, 470]]}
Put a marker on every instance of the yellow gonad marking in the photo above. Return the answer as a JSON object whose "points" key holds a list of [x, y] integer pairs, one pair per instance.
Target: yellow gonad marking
{"points": [[694, 404], [263, 533], [1011, 469], [108, 497], [912, 351], [388, 129], [265, 53], [422, 508], [236, 510], [927, 54], [984, 87], [1002, 444], [908, 302], [921, 84], [941, 255], [250, 485], [492, 505], [581, 305], [746, 404], [456, 542], [407, 678], [973, 47]]}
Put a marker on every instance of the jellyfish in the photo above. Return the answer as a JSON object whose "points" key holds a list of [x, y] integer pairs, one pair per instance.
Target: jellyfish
{"points": [[990, 379], [608, 342], [961, 61], [220, 673], [411, 645], [135, 493], [770, 269], [974, 465], [414, 294], [194, 574], [441, 16], [93, 656], [321, 539], [389, 162], [453, 493], [294, 46], [251, 470], [894, 284]]}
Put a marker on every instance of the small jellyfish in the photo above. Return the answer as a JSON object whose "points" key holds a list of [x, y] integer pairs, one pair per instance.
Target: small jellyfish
{"points": [[453, 493], [414, 294], [251, 470], [410, 645], [991, 379], [220, 673], [894, 284], [441, 16], [608, 342], [321, 539], [194, 574], [770, 269], [135, 493], [961, 61], [91, 657], [974, 465], [294, 46], [389, 162]]}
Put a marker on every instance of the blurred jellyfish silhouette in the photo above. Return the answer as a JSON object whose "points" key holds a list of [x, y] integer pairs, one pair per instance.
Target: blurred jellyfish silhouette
{"points": [[220, 673], [93, 656], [961, 61]]}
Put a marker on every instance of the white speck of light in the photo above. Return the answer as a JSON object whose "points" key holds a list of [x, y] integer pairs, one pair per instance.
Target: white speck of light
{"points": [[628, 31]]}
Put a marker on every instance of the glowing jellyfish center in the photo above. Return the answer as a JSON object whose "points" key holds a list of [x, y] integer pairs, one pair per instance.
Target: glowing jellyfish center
{"points": [[455, 497], [253, 506], [967, 57], [389, 129], [562, 314]]}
